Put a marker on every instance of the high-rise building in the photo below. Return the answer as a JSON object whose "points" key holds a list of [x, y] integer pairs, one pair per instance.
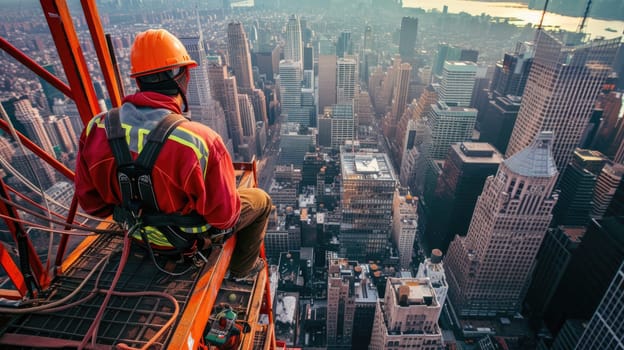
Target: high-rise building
{"points": [[498, 120], [198, 91], [290, 87], [458, 80], [489, 268], [33, 168], [351, 301], [433, 269], [63, 131], [606, 327], [463, 175], [511, 74], [326, 81], [407, 37], [610, 134], [576, 186], [404, 225], [553, 259], [239, 56], [559, 96], [589, 273], [294, 145], [607, 183], [346, 80], [232, 113], [399, 96], [366, 198], [293, 48], [448, 52], [449, 125], [344, 46], [408, 316], [342, 124], [33, 124]]}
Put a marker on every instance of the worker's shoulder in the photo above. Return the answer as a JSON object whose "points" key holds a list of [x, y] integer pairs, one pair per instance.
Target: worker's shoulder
{"points": [[197, 129]]}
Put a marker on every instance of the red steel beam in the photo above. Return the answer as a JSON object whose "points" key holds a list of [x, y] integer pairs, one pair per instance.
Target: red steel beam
{"points": [[66, 41], [35, 67], [101, 48], [13, 272]]}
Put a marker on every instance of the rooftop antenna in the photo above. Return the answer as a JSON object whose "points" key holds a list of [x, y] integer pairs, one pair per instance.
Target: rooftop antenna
{"points": [[582, 25], [539, 27]]}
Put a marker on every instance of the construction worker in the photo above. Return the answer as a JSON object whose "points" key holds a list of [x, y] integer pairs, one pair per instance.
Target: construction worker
{"points": [[192, 174]]}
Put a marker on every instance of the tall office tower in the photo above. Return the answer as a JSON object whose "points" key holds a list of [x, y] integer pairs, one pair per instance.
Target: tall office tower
{"points": [[449, 125], [607, 183], [232, 112], [248, 119], [387, 86], [464, 173], [63, 131], [560, 93], [342, 124], [33, 124], [364, 110], [610, 135], [399, 96], [606, 327], [324, 128], [308, 58], [498, 121], [290, 87], [408, 316], [404, 225], [346, 80], [38, 172], [198, 91], [268, 63], [51, 93], [458, 80], [344, 46], [367, 43], [293, 48], [351, 301], [552, 259], [576, 189], [591, 269], [511, 74], [239, 57], [327, 66], [258, 99], [415, 111], [448, 52], [340, 302], [433, 269], [294, 145], [490, 267], [407, 37], [375, 84], [366, 197]]}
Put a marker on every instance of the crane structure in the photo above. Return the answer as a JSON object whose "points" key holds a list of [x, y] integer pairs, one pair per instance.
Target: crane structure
{"points": [[108, 292]]}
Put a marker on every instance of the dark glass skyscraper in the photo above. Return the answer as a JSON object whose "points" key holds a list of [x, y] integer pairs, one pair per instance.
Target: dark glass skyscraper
{"points": [[407, 37]]}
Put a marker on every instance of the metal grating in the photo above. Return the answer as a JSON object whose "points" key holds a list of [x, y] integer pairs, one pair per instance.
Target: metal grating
{"points": [[132, 320]]}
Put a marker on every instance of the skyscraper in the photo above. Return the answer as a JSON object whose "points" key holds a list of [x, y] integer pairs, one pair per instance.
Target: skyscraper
{"points": [[239, 57], [293, 48], [198, 91], [326, 81], [449, 125], [342, 124], [489, 268], [344, 46], [407, 37], [346, 80], [290, 88], [465, 170], [404, 225], [366, 196], [32, 122], [458, 80], [606, 327], [559, 96], [408, 316], [399, 96]]}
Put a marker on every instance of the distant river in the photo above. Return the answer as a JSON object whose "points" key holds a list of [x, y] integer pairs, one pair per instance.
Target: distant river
{"points": [[522, 14]]}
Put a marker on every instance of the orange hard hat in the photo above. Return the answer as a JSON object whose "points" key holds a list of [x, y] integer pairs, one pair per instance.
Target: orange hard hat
{"points": [[157, 50]]}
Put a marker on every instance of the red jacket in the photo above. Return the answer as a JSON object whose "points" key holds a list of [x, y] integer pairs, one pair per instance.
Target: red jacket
{"points": [[193, 172]]}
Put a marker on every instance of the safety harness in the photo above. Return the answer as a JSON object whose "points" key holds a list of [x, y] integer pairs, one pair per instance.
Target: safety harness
{"points": [[139, 205]]}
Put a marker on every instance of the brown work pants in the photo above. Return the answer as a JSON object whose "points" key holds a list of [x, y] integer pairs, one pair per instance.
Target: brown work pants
{"points": [[255, 209]]}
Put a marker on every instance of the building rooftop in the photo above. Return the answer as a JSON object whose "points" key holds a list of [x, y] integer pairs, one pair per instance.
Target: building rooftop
{"points": [[418, 291], [366, 166], [477, 152], [574, 233], [535, 160]]}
